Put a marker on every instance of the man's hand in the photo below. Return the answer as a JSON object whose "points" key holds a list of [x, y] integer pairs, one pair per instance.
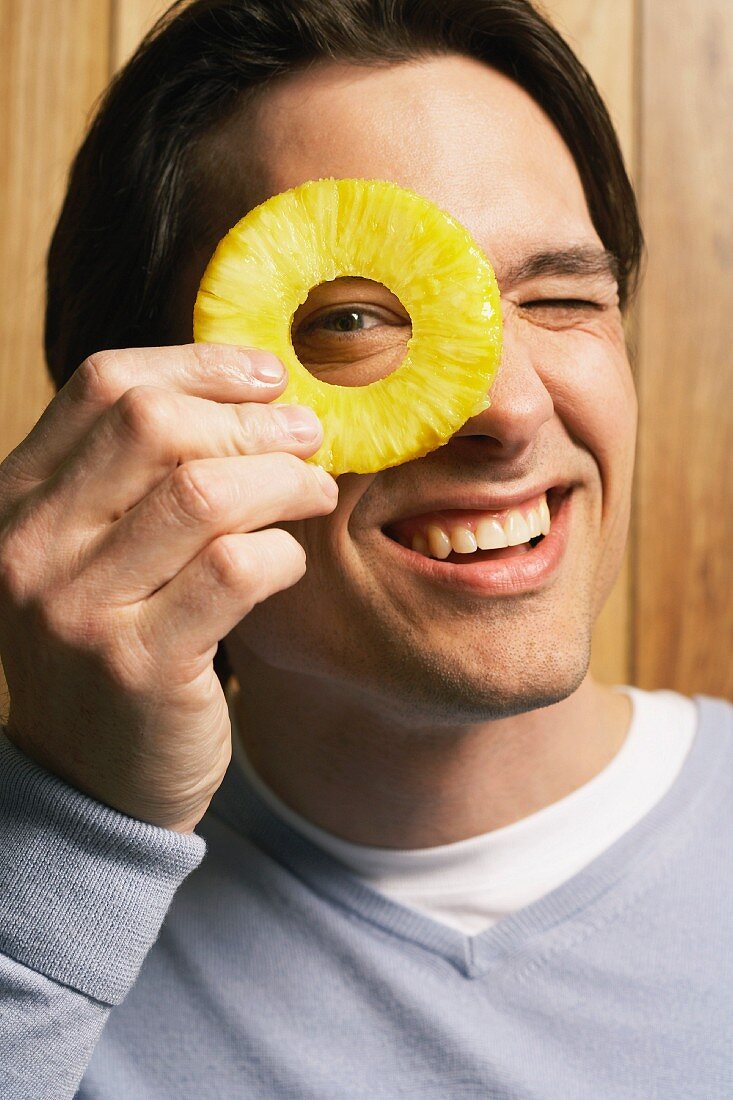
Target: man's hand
{"points": [[134, 535]]}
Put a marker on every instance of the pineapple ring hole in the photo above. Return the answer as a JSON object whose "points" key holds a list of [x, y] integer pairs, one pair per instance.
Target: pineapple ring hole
{"points": [[351, 331]]}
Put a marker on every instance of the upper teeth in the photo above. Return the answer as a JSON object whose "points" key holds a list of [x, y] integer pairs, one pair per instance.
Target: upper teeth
{"points": [[486, 532]]}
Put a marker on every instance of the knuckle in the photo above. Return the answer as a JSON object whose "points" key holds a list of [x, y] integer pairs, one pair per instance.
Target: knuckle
{"points": [[208, 358], [254, 427], [195, 497], [228, 565], [144, 413], [97, 379]]}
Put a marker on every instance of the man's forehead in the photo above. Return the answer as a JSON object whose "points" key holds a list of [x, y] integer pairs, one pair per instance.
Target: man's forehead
{"points": [[450, 128]]}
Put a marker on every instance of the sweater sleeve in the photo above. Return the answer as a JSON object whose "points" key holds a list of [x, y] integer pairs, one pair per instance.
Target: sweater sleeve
{"points": [[83, 893]]}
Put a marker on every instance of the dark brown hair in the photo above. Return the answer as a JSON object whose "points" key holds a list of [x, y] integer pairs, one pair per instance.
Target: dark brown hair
{"points": [[132, 209]]}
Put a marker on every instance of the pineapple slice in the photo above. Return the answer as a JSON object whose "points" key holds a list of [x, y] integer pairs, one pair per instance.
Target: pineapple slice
{"points": [[265, 267]]}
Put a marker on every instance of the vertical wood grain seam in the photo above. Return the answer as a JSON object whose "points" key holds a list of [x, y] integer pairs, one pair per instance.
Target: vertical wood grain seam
{"points": [[112, 37], [637, 147], [635, 168]]}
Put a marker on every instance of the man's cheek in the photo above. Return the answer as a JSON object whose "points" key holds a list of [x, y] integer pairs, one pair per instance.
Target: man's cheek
{"points": [[611, 419], [594, 395]]}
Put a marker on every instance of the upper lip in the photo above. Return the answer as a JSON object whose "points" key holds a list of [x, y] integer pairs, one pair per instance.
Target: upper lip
{"points": [[477, 500]]}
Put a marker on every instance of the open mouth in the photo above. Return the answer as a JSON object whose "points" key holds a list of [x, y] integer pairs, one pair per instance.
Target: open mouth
{"points": [[466, 537]]}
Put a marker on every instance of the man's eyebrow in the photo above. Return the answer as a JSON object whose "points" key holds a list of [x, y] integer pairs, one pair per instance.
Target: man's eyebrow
{"points": [[581, 260]]}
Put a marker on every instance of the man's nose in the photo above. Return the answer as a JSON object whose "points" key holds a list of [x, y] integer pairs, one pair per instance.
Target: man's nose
{"points": [[520, 402]]}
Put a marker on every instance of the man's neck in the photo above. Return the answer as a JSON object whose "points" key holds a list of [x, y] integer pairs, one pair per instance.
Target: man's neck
{"points": [[346, 772]]}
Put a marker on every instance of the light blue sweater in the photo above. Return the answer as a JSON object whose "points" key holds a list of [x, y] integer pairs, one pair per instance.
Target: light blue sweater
{"points": [[277, 975]]}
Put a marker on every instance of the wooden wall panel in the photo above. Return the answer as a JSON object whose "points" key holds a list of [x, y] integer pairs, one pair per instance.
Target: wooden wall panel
{"points": [[602, 35], [54, 62], [683, 586], [131, 19]]}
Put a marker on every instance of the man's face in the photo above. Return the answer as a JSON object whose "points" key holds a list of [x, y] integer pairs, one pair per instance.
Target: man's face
{"points": [[381, 631]]}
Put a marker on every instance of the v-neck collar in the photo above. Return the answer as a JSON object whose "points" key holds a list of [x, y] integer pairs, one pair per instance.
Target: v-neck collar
{"points": [[642, 853]]}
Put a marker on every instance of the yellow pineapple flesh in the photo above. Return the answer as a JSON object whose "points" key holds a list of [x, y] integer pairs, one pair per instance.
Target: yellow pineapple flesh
{"points": [[265, 267]]}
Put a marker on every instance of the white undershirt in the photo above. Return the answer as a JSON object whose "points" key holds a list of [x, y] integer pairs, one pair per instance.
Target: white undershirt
{"points": [[473, 883]]}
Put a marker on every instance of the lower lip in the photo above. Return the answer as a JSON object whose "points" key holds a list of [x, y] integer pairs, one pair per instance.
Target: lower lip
{"points": [[504, 576]]}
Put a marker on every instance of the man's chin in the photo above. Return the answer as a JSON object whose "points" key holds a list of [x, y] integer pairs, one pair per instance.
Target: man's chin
{"points": [[434, 690]]}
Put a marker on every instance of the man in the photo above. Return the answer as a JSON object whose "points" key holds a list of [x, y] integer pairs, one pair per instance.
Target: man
{"points": [[445, 861]]}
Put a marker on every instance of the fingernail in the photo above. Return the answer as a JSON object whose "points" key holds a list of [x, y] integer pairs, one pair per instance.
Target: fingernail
{"points": [[298, 421], [266, 367]]}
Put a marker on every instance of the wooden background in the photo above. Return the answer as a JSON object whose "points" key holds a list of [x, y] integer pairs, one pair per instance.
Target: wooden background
{"points": [[665, 68]]}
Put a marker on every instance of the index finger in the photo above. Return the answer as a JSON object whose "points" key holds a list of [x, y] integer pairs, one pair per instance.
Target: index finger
{"points": [[220, 372]]}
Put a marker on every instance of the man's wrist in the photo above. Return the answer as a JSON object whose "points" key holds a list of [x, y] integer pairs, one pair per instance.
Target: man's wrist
{"points": [[83, 887]]}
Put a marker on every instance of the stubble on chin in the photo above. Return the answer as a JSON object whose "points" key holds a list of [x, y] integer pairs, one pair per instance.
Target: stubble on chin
{"points": [[465, 682]]}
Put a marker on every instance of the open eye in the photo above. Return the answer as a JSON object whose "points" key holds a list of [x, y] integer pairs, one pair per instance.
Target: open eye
{"points": [[350, 343], [348, 320], [351, 319]]}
